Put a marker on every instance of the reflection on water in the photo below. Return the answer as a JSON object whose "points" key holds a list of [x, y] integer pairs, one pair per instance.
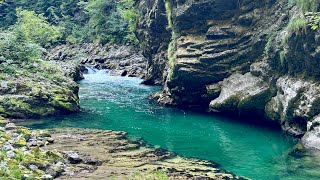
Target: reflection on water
{"points": [[121, 103]]}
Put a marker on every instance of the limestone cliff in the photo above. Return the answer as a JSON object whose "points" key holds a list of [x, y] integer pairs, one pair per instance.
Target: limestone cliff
{"points": [[239, 56]]}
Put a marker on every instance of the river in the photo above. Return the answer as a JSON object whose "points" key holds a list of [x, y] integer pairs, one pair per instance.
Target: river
{"points": [[121, 103]]}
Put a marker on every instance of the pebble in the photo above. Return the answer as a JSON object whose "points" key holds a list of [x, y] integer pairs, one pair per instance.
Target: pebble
{"points": [[50, 140], [10, 126], [46, 177], [7, 147], [32, 142], [40, 143], [33, 167], [73, 157], [33, 135]]}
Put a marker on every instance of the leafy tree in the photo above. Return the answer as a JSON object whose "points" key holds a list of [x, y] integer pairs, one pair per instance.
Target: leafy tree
{"points": [[105, 21], [130, 14], [35, 28]]}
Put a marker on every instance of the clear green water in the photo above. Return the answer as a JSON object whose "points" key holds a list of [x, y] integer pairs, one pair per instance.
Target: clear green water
{"points": [[120, 103]]}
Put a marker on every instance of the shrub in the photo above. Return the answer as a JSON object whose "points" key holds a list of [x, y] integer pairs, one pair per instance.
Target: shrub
{"points": [[13, 49]]}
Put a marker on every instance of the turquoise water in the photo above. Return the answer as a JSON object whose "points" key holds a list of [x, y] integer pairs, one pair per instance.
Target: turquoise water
{"points": [[121, 103]]}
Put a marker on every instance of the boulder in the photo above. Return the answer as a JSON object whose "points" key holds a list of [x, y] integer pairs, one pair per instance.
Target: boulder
{"points": [[242, 93]]}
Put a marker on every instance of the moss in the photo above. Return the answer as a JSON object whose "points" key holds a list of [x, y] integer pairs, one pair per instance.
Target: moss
{"points": [[25, 132], [150, 175], [3, 122], [43, 133], [20, 142], [54, 156], [65, 102], [298, 24]]}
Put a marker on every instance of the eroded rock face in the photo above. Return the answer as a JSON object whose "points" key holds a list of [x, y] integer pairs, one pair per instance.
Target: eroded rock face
{"points": [[154, 36], [297, 102], [240, 57]]}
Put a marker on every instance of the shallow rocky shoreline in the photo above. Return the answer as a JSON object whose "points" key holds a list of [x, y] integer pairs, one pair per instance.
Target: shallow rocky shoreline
{"points": [[94, 154]]}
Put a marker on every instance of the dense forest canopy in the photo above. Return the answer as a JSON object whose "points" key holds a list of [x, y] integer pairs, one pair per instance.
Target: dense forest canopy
{"points": [[79, 21]]}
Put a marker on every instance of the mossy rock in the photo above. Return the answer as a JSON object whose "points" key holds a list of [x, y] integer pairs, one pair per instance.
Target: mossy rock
{"points": [[26, 133], [54, 156], [41, 163], [43, 133], [65, 102], [20, 143], [3, 121]]}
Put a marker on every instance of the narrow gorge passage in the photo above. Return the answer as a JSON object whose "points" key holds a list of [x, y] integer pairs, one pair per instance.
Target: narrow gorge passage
{"points": [[121, 103]]}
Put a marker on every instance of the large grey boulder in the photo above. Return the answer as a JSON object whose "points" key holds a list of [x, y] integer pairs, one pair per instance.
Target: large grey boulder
{"points": [[244, 93]]}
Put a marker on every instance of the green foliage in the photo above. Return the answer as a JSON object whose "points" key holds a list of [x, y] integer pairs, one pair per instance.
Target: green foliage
{"points": [[130, 14], [298, 24], [313, 19], [34, 28], [15, 50], [268, 45], [308, 5], [80, 21], [172, 47], [105, 24], [168, 7], [282, 56]]}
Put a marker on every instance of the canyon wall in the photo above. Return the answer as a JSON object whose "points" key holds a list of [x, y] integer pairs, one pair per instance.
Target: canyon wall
{"points": [[238, 56]]}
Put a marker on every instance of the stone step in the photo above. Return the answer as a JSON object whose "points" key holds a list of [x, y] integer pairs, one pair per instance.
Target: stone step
{"points": [[213, 58], [228, 43]]}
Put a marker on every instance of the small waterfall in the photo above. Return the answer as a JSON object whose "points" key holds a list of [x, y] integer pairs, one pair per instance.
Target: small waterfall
{"points": [[90, 70]]}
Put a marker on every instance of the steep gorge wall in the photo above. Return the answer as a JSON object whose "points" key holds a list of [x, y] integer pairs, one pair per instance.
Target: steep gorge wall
{"points": [[235, 56]]}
